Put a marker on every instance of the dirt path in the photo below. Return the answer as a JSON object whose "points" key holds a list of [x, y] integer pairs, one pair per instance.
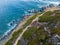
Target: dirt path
{"points": [[52, 9], [24, 30]]}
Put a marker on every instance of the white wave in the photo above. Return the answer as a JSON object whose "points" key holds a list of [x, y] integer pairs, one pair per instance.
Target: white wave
{"points": [[48, 1], [51, 2], [10, 29], [56, 3], [12, 22], [8, 32]]}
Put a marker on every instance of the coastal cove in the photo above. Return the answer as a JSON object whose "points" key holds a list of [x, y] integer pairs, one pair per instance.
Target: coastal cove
{"points": [[14, 16], [14, 13]]}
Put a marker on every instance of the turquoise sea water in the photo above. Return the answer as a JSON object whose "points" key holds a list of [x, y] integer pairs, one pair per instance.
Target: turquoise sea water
{"points": [[14, 11]]}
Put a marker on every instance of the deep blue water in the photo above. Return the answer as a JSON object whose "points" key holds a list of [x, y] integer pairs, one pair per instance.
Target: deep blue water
{"points": [[15, 10]]}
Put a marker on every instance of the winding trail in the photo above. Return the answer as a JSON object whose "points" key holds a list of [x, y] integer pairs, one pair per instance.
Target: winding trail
{"points": [[24, 30]]}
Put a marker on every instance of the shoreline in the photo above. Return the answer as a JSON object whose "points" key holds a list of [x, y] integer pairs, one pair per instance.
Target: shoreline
{"points": [[19, 25]]}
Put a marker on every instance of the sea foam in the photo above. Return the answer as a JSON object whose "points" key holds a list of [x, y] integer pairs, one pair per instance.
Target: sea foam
{"points": [[8, 32]]}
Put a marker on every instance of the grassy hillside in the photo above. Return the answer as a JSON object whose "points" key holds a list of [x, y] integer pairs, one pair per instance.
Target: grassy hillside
{"points": [[45, 34], [44, 31]]}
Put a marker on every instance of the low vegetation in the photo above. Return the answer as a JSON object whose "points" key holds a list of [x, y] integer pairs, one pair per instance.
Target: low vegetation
{"points": [[30, 19], [28, 34], [49, 26], [41, 36], [13, 38], [19, 43], [16, 33]]}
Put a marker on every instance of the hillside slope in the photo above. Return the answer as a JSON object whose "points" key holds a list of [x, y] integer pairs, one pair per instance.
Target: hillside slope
{"points": [[44, 31]]}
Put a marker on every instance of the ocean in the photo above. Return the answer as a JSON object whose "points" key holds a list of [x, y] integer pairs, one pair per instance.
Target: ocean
{"points": [[13, 11]]}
